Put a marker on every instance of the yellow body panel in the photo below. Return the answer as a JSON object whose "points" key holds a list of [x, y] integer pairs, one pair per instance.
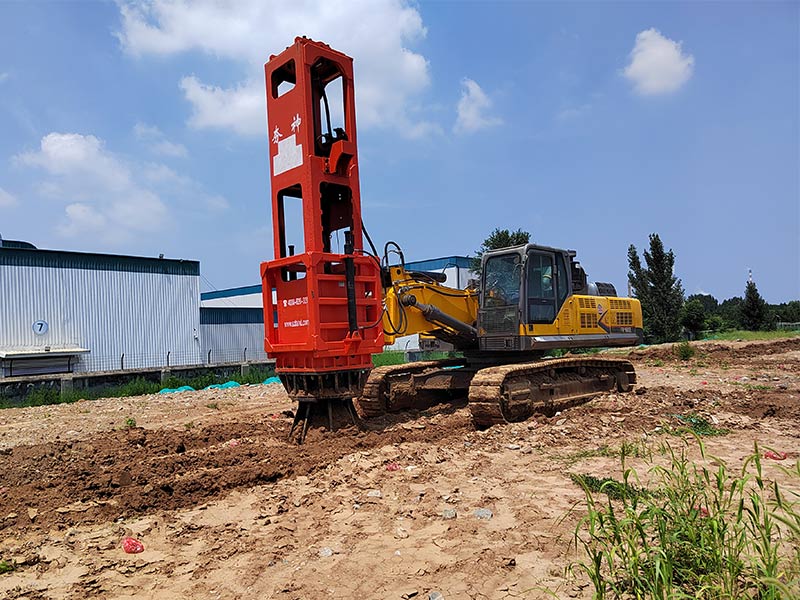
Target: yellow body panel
{"points": [[591, 315]]}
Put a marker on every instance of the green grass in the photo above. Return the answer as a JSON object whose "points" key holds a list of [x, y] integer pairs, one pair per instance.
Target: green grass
{"points": [[738, 334], [398, 357], [702, 532], [753, 386], [135, 387], [389, 357], [684, 350], [697, 425], [608, 486], [6, 567], [637, 449]]}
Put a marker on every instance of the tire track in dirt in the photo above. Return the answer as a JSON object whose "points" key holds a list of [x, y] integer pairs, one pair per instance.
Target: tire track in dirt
{"points": [[126, 472]]}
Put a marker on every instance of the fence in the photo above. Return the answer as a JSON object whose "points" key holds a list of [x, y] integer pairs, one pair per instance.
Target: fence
{"points": [[788, 326], [132, 361]]}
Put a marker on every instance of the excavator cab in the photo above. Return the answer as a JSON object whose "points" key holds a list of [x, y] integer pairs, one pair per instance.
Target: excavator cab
{"points": [[534, 298]]}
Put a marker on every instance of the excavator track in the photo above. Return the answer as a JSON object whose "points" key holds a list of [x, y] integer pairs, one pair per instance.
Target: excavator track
{"points": [[392, 388], [497, 394], [515, 392]]}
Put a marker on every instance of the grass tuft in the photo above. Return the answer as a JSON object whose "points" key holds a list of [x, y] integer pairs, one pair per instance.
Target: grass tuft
{"points": [[608, 486], [701, 532], [697, 425], [684, 350]]}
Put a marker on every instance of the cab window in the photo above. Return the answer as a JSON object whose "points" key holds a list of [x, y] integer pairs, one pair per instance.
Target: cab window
{"points": [[502, 280]]}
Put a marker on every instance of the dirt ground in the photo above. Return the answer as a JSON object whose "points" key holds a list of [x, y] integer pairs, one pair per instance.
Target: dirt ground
{"points": [[418, 503]]}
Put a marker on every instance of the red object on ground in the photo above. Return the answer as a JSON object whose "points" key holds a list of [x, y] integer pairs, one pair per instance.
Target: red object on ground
{"points": [[775, 455], [704, 382], [703, 512], [393, 467], [132, 546]]}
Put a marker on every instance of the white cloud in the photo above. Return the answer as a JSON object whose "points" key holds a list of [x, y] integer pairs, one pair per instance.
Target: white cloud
{"points": [[6, 199], [390, 77], [107, 199], [241, 108], [658, 64], [157, 141], [472, 109]]}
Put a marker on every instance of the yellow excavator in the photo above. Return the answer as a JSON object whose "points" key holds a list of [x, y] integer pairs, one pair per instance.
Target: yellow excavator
{"points": [[326, 313], [530, 299]]}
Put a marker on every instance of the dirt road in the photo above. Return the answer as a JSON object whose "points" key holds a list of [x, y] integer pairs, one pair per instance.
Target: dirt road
{"points": [[419, 503]]}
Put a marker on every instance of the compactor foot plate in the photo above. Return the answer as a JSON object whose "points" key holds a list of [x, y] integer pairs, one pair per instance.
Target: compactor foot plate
{"points": [[330, 413]]}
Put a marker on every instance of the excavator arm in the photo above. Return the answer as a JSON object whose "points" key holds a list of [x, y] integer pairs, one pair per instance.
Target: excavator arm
{"points": [[416, 303]]}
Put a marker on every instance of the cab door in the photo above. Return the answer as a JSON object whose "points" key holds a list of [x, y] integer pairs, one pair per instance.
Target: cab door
{"points": [[547, 286]]}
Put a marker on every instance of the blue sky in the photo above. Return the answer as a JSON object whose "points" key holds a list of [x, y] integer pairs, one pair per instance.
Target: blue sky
{"points": [[139, 128]]}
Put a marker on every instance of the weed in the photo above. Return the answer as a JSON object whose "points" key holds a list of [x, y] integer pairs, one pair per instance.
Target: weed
{"points": [[703, 532], [637, 449], [213, 405], [189, 425], [684, 350], [6, 567], [658, 363], [692, 372], [697, 425], [760, 387], [129, 423], [608, 486]]}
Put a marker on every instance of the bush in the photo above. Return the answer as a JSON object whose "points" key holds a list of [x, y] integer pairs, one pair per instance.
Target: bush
{"points": [[684, 350]]}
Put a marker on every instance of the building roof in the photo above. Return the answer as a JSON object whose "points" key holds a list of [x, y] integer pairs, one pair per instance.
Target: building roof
{"points": [[231, 292], [60, 259], [431, 264]]}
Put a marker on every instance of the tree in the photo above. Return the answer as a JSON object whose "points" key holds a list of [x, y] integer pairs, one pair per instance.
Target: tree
{"points": [[693, 316], [731, 312], [659, 291], [499, 238], [788, 312], [710, 304], [754, 309]]}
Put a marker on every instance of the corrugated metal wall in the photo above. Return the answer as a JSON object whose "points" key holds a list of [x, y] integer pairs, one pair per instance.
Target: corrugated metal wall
{"points": [[232, 334], [125, 318]]}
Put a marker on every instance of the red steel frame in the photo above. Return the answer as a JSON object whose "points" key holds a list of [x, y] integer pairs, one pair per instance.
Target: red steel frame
{"points": [[308, 318]]}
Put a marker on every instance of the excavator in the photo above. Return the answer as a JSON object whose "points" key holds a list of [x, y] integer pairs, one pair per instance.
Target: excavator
{"points": [[330, 304]]}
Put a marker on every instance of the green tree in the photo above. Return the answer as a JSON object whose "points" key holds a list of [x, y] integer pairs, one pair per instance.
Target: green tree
{"points": [[710, 304], [731, 312], [754, 312], [693, 316], [659, 291], [788, 312], [499, 238], [714, 323]]}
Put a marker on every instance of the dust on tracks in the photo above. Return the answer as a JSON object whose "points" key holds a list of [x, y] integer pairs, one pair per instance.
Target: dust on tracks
{"points": [[128, 472]]}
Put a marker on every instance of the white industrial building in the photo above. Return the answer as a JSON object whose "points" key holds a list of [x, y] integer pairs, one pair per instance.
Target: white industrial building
{"points": [[66, 312]]}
